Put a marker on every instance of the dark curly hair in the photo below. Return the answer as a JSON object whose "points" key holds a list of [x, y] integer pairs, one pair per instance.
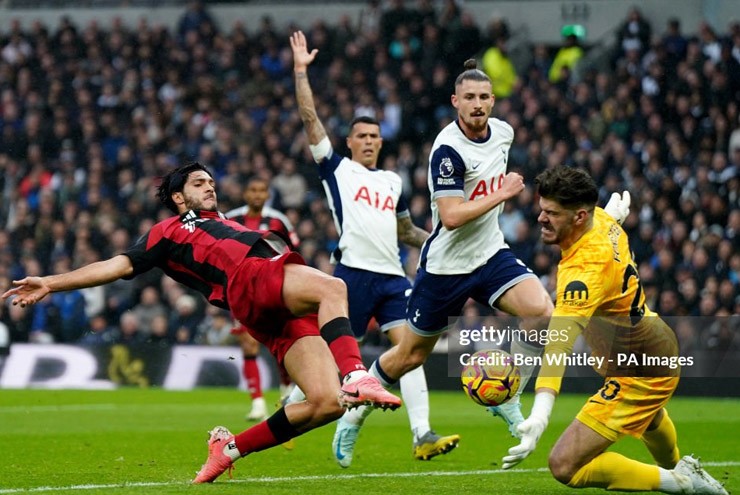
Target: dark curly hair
{"points": [[174, 181], [568, 186]]}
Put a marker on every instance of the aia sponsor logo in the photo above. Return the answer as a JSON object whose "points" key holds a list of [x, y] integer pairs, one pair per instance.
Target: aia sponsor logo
{"points": [[373, 198], [484, 187]]}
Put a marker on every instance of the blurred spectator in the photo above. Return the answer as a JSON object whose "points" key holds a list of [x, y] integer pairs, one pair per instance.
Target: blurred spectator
{"points": [[567, 56], [184, 321], [216, 328], [498, 66], [60, 317], [149, 307], [634, 34]]}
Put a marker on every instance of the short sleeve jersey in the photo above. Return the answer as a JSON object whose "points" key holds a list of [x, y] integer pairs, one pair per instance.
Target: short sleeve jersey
{"points": [[469, 169], [366, 204], [200, 249]]}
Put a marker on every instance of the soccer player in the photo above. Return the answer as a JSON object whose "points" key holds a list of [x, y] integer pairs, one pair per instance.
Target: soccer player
{"points": [[371, 216], [268, 288], [466, 255], [599, 296], [255, 215]]}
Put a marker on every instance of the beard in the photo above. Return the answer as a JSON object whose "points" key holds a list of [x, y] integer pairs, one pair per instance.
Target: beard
{"points": [[192, 203]]}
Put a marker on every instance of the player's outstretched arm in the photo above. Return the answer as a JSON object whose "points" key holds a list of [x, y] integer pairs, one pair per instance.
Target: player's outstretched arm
{"points": [[410, 234], [31, 290], [302, 58], [532, 428]]}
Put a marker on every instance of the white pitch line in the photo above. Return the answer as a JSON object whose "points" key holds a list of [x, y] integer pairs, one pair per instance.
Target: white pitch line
{"points": [[61, 407], [328, 477]]}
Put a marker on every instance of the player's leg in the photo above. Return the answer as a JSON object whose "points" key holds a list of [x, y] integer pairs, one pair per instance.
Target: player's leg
{"points": [[307, 290], [434, 301], [623, 406], [661, 440], [311, 365], [411, 352], [415, 393], [250, 350], [579, 460], [512, 287], [363, 296]]}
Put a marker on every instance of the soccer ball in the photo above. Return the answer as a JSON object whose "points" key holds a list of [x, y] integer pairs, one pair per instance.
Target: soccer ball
{"points": [[490, 377]]}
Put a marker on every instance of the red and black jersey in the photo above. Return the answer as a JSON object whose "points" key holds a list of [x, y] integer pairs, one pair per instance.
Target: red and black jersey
{"points": [[202, 250], [270, 219]]}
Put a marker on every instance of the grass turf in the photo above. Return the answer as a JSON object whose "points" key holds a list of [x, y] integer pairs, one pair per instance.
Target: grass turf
{"points": [[150, 441]]}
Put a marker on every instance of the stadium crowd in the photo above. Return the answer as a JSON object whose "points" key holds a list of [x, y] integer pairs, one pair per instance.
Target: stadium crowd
{"points": [[91, 116]]}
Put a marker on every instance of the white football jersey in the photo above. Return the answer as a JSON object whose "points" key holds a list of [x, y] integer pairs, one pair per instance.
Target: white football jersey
{"points": [[366, 204], [470, 169]]}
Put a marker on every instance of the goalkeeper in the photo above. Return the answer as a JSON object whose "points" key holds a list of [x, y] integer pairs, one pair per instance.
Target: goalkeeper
{"points": [[599, 295]]}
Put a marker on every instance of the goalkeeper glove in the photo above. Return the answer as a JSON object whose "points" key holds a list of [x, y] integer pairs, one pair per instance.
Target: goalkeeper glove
{"points": [[531, 429], [618, 207]]}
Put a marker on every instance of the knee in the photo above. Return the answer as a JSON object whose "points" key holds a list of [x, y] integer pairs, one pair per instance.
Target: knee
{"points": [[327, 409], [561, 468], [334, 288]]}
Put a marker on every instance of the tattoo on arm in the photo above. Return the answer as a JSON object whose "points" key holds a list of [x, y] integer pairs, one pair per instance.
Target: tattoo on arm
{"points": [[307, 109], [410, 234]]}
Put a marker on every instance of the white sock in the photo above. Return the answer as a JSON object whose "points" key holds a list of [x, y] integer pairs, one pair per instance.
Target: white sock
{"points": [[357, 415], [416, 399], [231, 451], [354, 375], [668, 482], [296, 395], [525, 370], [375, 373]]}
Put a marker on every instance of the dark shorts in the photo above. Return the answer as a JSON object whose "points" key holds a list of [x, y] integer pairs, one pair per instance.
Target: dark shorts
{"points": [[256, 300], [437, 300], [376, 295]]}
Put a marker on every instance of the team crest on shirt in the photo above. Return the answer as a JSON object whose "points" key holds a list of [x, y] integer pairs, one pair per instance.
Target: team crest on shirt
{"points": [[575, 294], [446, 169]]}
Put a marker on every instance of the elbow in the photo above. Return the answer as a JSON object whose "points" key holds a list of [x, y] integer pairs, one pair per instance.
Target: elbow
{"points": [[449, 222]]}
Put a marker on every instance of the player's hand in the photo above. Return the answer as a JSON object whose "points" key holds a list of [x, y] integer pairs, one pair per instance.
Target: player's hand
{"points": [[512, 185], [618, 207], [530, 431], [27, 291], [302, 58]]}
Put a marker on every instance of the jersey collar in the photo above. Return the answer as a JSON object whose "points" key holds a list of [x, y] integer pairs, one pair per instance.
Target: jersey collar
{"points": [[204, 214]]}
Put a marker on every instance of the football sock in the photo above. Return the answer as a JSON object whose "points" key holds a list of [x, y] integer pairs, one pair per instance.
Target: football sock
{"points": [[416, 399], [376, 371], [251, 373], [616, 472], [273, 431], [662, 443], [296, 395], [357, 415], [525, 370], [668, 483], [342, 343]]}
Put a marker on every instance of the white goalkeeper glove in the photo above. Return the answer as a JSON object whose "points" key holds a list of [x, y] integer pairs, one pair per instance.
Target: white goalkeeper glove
{"points": [[531, 429], [618, 207]]}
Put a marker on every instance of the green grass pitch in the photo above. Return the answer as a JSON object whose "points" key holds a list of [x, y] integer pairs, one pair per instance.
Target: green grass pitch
{"points": [[133, 441]]}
